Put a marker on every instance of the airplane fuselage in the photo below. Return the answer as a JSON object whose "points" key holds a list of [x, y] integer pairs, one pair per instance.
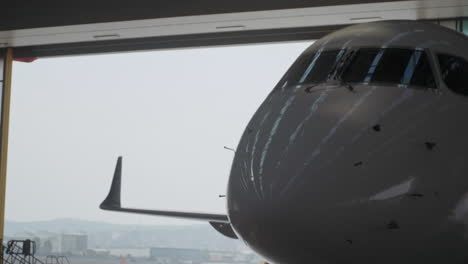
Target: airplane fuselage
{"points": [[359, 165]]}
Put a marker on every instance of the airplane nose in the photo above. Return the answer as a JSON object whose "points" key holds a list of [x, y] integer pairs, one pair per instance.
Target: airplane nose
{"points": [[295, 136], [298, 132], [290, 141], [313, 161]]}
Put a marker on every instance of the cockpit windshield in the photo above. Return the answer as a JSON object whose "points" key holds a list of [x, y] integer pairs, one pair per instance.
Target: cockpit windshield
{"points": [[390, 66], [408, 67]]}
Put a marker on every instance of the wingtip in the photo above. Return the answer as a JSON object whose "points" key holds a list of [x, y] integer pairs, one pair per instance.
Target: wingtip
{"points": [[113, 198]]}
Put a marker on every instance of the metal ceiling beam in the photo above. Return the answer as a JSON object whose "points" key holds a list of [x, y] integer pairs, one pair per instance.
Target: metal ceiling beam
{"points": [[219, 29], [52, 14], [174, 42]]}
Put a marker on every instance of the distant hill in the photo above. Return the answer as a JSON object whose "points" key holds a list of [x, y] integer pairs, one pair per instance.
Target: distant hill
{"points": [[67, 225], [105, 235]]}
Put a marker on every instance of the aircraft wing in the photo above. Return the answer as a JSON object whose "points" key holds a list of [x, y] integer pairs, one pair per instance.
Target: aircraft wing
{"points": [[112, 203]]}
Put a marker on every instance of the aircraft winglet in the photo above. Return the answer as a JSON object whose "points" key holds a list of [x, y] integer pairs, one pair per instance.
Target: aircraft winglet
{"points": [[112, 203], [113, 198]]}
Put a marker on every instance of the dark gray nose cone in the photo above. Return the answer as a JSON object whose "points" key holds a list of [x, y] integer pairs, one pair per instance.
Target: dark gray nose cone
{"points": [[352, 172]]}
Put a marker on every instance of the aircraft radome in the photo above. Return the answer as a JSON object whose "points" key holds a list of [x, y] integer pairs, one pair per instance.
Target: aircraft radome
{"points": [[358, 155]]}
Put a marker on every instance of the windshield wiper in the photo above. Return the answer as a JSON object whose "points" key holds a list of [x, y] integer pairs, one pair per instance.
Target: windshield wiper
{"points": [[341, 68]]}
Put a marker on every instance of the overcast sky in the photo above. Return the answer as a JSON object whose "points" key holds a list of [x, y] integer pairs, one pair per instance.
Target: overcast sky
{"points": [[169, 113]]}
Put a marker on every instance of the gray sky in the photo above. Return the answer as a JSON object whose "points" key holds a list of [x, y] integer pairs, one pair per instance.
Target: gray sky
{"points": [[169, 113]]}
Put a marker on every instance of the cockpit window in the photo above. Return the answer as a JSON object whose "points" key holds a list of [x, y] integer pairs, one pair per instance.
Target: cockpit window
{"points": [[454, 71], [358, 70], [313, 68], [320, 66], [392, 66], [410, 67]]}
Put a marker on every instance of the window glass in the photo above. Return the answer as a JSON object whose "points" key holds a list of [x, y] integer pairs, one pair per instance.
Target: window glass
{"points": [[319, 67], [363, 62], [312, 68], [422, 73], [392, 66], [297, 70], [465, 26], [454, 71], [397, 66]]}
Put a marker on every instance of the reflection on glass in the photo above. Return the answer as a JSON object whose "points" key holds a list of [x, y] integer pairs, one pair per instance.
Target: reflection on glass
{"points": [[421, 72], [320, 67], [363, 63], [313, 68], [454, 72], [465, 26], [390, 66], [407, 67]]}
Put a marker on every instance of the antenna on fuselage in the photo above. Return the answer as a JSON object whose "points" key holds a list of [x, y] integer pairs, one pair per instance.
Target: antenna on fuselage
{"points": [[231, 149]]}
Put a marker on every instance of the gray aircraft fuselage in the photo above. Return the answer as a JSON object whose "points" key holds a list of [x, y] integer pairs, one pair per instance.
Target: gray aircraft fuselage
{"points": [[360, 153]]}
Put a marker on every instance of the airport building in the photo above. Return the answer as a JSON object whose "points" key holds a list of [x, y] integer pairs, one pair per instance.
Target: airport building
{"points": [[73, 244]]}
